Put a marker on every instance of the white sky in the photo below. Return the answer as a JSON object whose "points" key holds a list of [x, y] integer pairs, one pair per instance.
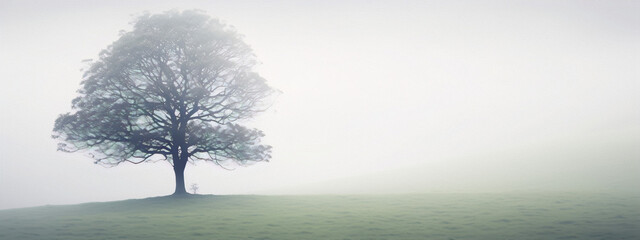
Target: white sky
{"points": [[438, 91]]}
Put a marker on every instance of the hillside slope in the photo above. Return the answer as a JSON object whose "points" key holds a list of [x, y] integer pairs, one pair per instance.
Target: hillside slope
{"points": [[422, 216]]}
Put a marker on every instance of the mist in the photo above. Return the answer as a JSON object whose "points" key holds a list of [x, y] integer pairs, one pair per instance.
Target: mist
{"points": [[377, 98]]}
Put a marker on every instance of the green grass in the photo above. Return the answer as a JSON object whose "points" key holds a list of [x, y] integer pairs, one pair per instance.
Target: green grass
{"points": [[418, 216]]}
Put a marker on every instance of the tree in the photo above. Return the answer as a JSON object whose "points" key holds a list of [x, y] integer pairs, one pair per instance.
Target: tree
{"points": [[194, 188], [174, 88]]}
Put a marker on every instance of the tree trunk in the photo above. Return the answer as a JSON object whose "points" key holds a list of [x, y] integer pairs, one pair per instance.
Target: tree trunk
{"points": [[178, 169]]}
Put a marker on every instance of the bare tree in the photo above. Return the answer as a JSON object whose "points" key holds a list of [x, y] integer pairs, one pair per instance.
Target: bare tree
{"points": [[194, 188], [174, 88]]}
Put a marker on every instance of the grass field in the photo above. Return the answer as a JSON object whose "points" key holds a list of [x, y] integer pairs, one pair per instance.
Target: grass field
{"points": [[416, 216]]}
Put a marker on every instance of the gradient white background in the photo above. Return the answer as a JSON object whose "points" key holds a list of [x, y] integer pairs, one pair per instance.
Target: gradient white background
{"points": [[377, 97]]}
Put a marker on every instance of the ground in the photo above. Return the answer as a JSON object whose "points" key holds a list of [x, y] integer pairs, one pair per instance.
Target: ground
{"points": [[410, 216]]}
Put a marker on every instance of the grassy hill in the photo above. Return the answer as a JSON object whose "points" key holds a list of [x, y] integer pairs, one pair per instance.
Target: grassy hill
{"points": [[415, 216]]}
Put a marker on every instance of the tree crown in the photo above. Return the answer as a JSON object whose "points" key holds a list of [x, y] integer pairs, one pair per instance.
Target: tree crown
{"points": [[173, 88]]}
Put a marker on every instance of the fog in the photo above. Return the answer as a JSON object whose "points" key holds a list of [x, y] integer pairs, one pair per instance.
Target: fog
{"points": [[377, 97]]}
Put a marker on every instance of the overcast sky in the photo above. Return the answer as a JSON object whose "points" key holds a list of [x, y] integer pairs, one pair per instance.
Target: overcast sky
{"points": [[438, 95]]}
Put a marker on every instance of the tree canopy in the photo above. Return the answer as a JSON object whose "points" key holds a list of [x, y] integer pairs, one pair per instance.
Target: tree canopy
{"points": [[174, 88]]}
